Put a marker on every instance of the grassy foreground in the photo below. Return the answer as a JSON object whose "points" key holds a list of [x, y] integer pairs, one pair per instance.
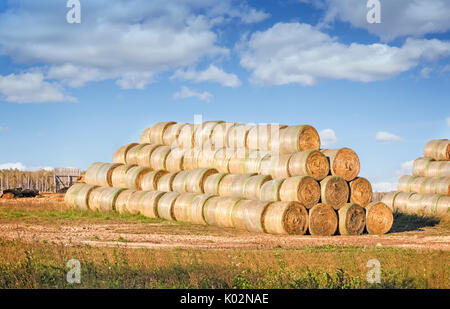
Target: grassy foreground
{"points": [[43, 265]]}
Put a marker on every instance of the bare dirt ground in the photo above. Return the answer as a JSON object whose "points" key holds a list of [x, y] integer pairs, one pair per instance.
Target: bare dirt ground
{"points": [[420, 234]]}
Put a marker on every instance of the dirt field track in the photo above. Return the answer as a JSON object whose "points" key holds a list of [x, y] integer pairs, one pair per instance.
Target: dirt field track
{"points": [[46, 220]]}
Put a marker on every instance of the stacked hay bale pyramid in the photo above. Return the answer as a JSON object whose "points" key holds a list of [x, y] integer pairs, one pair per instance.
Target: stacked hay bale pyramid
{"points": [[427, 191], [261, 178]]}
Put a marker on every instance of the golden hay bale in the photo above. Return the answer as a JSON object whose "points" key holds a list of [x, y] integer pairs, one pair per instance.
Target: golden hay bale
{"points": [[389, 199], [212, 182], [150, 180], [280, 167], [133, 177], [91, 173], [427, 204], [133, 154], [174, 161], [352, 219], [121, 153], [296, 138], [379, 218], [218, 211], [144, 155], [309, 163], [219, 135], [156, 133], [303, 189], [237, 186], [158, 157], [196, 179], [360, 191], [236, 164], [424, 185], [133, 206], [107, 199], [122, 201], [189, 207], [205, 158], [344, 162], [267, 164], [118, 176], [252, 186], [404, 183], [323, 220], [270, 191], [190, 159], [401, 201], [145, 136], [334, 191], [148, 203], [165, 183], [222, 160], [237, 136], [263, 136], [438, 149], [226, 184], [171, 134], [77, 196], [186, 136], [253, 161], [179, 182], [248, 215], [94, 201], [101, 174], [285, 218], [165, 205], [203, 133]]}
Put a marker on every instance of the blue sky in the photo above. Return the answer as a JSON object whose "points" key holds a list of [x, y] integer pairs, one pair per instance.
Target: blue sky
{"points": [[70, 94]]}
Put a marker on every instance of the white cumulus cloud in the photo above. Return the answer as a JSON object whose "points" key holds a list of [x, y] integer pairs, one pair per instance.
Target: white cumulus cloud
{"points": [[328, 137], [299, 53], [21, 167], [384, 136], [384, 186], [212, 74], [185, 93]]}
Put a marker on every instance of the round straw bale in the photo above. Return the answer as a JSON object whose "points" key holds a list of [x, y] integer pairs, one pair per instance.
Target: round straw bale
{"points": [[280, 169], [237, 136], [158, 157], [157, 132], [222, 160], [219, 135], [103, 174], [148, 204], [261, 136], [133, 202], [323, 220], [360, 191], [303, 189], [443, 206], [171, 134], [236, 164], [288, 218], [205, 158], [195, 181], [334, 191], [252, 186], [267, 165], [438, 169], [212, 182], [150, 180], [297, 138], [404, 183], [189, 207], [179, 182], [203, 133], [121, 153], [94, 201], [133, 177], [165, 183], [174, 160], [165, 205], [237, 186], [218, 211], [145, 136], [249, 215], [118, 176], [309, 163], [132, 156], [438, 149], [145, 153], [186, 136], [77, 196], [190, 159], [270, 191], [389, 199], [122, 201], [107, 199], [71, 194], [401, 201], [379, 218], [427, 204], [226, 184], [91, 173], [344, 162], [352, 219], [253, 161]]}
